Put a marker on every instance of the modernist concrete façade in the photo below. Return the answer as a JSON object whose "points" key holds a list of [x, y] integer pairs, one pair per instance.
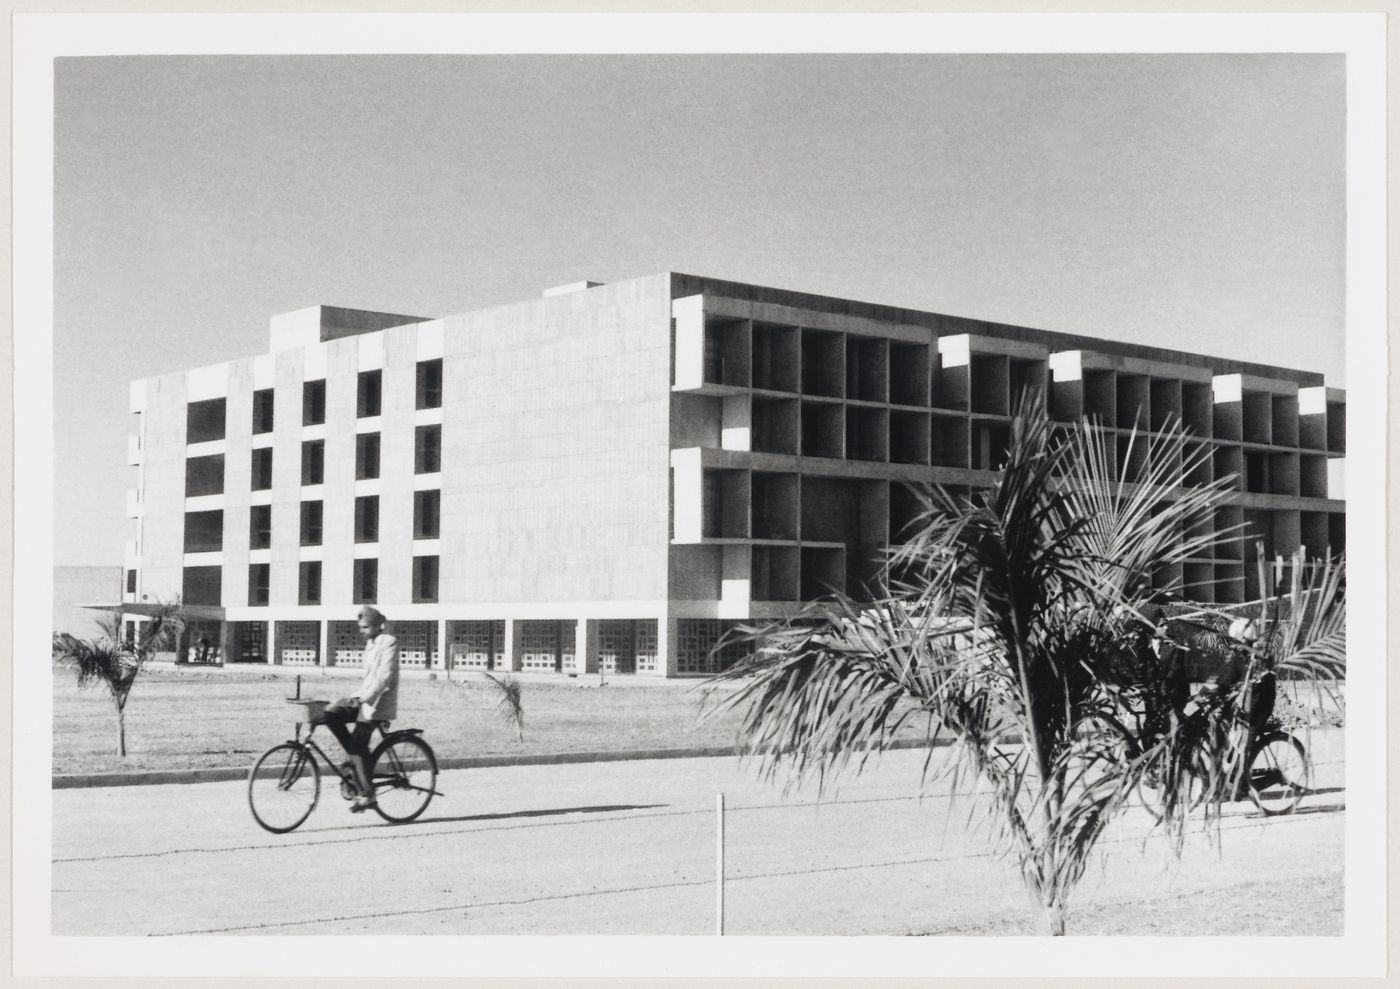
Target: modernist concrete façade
{"points": [[611, 475]]}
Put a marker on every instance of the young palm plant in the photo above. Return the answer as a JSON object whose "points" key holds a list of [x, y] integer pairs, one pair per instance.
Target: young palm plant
{"points": [[999, 626], [113, 663]]}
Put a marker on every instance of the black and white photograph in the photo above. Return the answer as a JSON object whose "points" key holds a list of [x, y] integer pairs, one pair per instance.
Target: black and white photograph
{"points": [[810, 482]]}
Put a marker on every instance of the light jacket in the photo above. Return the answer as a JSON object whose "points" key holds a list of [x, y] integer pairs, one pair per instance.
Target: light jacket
{"points": [[379, 690]]}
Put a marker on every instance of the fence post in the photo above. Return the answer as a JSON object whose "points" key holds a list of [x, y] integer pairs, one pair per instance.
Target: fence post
{"points": [[719, 864]]}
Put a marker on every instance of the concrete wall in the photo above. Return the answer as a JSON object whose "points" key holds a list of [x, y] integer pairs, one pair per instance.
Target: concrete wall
{"points": [[555, 448]]}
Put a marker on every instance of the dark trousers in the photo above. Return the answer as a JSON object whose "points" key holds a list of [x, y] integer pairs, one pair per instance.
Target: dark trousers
{"points": [[355, 741]]}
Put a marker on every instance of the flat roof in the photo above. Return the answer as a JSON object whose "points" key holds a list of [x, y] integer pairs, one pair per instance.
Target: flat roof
{"points": [[945, 325]]}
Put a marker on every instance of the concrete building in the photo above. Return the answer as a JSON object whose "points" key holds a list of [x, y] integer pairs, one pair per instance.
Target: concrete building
{"points": [[611, 475]]}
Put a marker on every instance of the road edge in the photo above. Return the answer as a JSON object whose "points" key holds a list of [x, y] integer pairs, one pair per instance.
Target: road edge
{"points": [[222, 774]]}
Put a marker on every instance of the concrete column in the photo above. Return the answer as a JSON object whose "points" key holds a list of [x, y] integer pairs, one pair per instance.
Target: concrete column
{"points": [[667, 631], [274, 653], [224, 642], [323, 653], [444, 657], [512, 645], [586, 645]]}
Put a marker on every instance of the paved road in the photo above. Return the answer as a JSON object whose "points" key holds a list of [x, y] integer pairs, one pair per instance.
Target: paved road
{"points": [[626, 847]]}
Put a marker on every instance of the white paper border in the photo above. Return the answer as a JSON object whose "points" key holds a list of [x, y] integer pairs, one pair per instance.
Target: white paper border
{"points": [[40, 38]]}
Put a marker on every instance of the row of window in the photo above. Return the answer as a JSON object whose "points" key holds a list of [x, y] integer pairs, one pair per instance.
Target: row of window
{"points": [[204, 582], [204, 531], [205, 475], [205, 420]]}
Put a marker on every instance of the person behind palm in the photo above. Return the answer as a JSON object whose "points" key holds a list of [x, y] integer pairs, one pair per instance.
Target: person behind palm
{"points": [[374, 702], [1250, 672]]}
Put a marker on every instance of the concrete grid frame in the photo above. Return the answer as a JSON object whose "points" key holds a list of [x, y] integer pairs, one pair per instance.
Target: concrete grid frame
{"points": [[615, 475]]}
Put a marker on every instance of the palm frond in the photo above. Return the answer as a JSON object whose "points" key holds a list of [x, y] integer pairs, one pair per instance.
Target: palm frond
{"points": [[509, 704]]}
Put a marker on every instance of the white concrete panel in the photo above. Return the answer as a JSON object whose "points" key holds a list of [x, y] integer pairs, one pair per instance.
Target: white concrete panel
{"points": [[428, 417], [1067, 365], [136, 396], [430, 340], [366, 551], [206, 449], [956, 351], [1227, 387], [299, 328], [689, 314], [264, 371], [314, 362], [310, 553], [215, 559], [206, 503], [370, 352], [687, 495], [206, 382]]}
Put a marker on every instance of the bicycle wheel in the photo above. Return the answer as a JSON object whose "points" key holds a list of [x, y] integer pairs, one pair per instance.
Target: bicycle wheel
{"points": [[1279, 773], [1191, 787], [283, 787], [403, 776]]}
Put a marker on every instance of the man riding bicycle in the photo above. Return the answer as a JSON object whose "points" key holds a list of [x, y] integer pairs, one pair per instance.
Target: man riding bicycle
{"points": [[375, 701]]}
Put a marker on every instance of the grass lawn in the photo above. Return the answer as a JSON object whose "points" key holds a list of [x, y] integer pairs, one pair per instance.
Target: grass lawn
{"points": [[193, 719]]}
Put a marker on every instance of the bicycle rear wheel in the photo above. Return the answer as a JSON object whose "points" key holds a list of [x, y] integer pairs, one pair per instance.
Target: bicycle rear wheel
{"points": [[283, 787], [403, 777], [1279, 773]]}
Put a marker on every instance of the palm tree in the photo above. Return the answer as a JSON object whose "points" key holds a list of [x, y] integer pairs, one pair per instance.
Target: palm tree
{"points": [[110, 661], [998, 625]]}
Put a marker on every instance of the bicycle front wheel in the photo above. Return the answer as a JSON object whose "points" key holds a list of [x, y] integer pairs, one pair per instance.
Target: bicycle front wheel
{"points": [[1279, 774], [404, 776], [283, 787]]}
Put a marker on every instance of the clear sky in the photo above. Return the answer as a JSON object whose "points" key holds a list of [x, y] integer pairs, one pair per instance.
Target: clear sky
{"points": [[1186, 201]]}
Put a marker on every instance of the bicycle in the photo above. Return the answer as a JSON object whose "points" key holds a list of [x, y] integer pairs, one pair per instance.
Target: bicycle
{"points": [[1278, 770], [284, 784]]}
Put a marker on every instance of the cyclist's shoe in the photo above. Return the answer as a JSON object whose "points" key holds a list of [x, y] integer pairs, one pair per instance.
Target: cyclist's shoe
{"points": [[362, 804]]}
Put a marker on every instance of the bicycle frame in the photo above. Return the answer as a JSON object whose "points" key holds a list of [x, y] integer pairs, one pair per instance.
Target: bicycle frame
{"points": [[376, 782]]}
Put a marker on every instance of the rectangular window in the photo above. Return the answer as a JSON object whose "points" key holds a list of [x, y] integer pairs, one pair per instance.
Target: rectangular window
{"points": [[429, 394], [204, 532], [131, 582], [427, 506], [309, 582], [313, 462], [427, 449], [366, 456], [260, 527], [366, 581], [425, 579], [204, 421], [259, 584], [313, 402], [262, 410], [367, 394], [202, 585], [204, 476], [262, 469], [367, 519], [311, 523]]}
